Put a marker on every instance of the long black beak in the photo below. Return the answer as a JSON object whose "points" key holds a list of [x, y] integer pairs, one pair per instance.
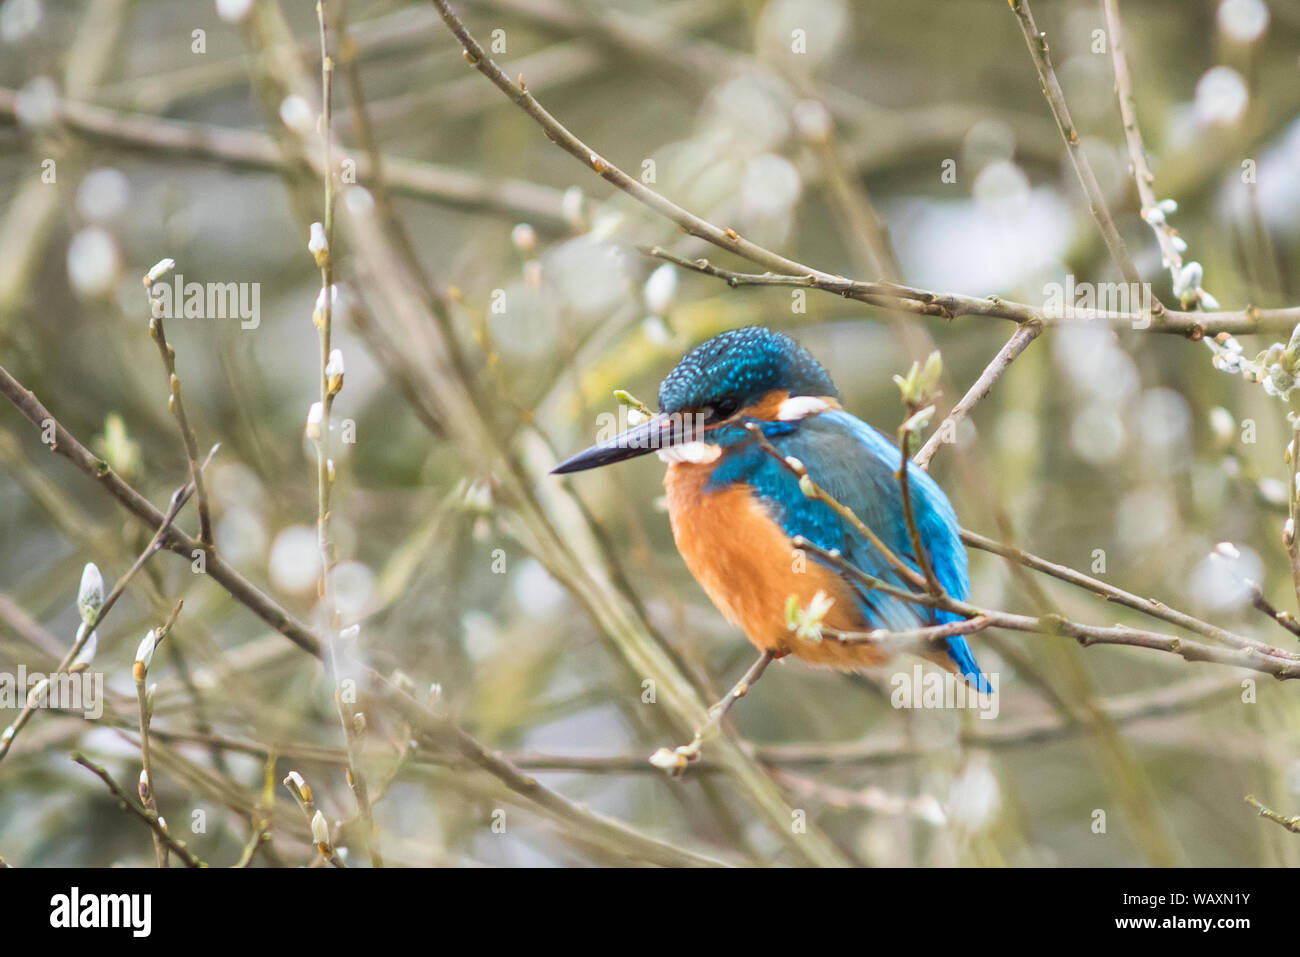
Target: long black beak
{"points": [[658, 432]]}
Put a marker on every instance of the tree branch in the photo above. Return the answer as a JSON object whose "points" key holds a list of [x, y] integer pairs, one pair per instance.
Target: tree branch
{"points": [[1036, 40]]}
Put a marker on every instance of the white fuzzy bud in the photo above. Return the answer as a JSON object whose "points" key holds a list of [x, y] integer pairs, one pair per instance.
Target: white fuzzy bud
{"points": [[660, 289], [670, 761], [1226, 550], [315, 418], [37, 694], [317, 244], [233, 11], [320, 829], [144, 653], [525, 238], [1189, 279], [299, 787], [161, 268], [812, 120], [90, 596], [334, 371], [296, 113], [1222, 423], [573, 207]]}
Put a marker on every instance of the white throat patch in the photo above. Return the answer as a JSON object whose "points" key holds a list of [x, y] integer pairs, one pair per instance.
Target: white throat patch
{"points": [[800, 406], [694, 453]]}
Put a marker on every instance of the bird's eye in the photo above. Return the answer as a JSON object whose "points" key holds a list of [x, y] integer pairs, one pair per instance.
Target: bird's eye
{"points": [[725, 407]]}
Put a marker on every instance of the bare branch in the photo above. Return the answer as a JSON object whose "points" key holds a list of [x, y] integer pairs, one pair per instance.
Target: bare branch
{"points": [[1292, 824], [1020, 340], [1036, 40], [150, 818]]}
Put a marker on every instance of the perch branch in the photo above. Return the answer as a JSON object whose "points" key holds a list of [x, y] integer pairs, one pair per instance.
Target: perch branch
{"points": [[676, 760]]}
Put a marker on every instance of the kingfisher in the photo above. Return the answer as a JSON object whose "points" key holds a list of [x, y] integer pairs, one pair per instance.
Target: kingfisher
{"points": [[736, 511]]}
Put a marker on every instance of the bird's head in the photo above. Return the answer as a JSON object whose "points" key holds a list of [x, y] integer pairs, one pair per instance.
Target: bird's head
{"points": [[750, 374]]}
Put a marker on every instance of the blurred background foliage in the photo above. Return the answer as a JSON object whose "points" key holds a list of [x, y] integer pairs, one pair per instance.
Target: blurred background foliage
{"points": [[1122, 454]]}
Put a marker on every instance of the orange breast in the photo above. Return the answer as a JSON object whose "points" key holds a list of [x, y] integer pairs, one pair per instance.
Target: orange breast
{"points": [[744, 561]]}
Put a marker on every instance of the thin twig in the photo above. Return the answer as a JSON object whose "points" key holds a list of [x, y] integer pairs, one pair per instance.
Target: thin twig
{"points": [[676, 760], [173, 539], [923, 807], [1137, 155], [905, 497], [908, 639], [1258, 601], [441, 733], [261, 817], [1246, 653], [178, 500], [261, 835], [1147, 606], [177, 406], [1166, 320], [876, 750], [1085, 635], [1036, 40], [1025, 334], [1290, 538], [329, 388], [302, 794], [155, 823], [511, 199], [239, 588], [140, 672], [1292, 824], [923, 302]]}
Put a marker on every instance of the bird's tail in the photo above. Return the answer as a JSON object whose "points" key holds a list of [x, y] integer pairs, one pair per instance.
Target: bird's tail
{"points": [[961, 660]]}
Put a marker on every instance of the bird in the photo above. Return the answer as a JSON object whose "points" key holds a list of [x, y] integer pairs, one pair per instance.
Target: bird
{"points": [[738, 515]]}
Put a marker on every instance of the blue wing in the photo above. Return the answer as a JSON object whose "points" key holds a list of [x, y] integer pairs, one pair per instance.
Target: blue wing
{"points": [[857, 466]]}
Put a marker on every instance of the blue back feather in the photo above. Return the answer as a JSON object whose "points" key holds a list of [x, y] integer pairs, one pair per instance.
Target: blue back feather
{"points": [[857, 465]]}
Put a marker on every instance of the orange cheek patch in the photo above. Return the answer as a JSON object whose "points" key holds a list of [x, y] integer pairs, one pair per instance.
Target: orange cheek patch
{"points": [[766, 407]]}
